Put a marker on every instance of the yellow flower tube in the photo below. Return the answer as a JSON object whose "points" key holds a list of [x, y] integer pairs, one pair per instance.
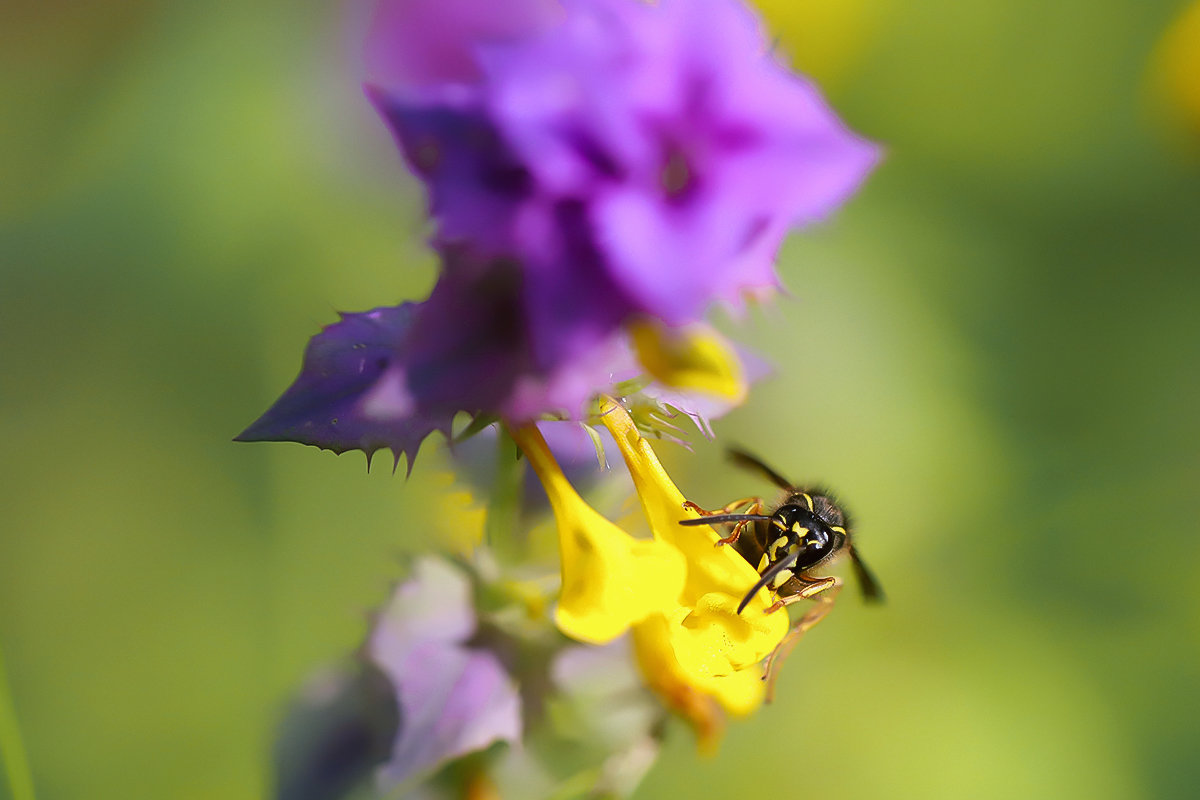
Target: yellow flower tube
{"points": [[710, 648], [610, 580]]}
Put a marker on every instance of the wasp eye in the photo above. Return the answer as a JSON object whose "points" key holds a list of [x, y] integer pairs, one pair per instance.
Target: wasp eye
{"points": [[816, 545], [817, 539]]}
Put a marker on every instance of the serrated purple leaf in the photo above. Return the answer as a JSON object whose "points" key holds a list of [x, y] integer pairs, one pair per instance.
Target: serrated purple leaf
{"points": [[351, 393]]}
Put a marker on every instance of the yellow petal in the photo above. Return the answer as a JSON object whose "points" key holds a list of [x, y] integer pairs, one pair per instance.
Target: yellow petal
{"points": [[740, 693], [741, 639], [694, 358], [662, 672], [719, 652], [712, 649], [609, 579], [696, 697], [710, 568]]}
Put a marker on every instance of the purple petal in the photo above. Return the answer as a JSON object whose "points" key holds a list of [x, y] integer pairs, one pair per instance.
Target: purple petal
{"points": [[414, 42], [475, 181], [472, 348], [352, 393], [635, 158], [470, 344], [453, 700], [433, 605], [335, 734]]}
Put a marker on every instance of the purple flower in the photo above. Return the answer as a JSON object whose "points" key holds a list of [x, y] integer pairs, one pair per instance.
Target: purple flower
{"points": [[417, 698], [634, 158], [592, 166], [453, 699], [335, 733]]}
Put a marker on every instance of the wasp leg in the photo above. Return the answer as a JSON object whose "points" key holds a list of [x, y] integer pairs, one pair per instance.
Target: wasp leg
{"points": [[728, 508], [822, 592], [754, 505], [735, 534], [811, 590]]}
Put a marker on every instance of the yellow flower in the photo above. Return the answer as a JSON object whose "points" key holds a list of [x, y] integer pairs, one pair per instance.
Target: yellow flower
{"points": [[609, 579], [693, 358], [716, 651], [678, 592]]}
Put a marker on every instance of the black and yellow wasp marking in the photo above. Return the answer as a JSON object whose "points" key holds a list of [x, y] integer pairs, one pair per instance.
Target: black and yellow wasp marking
{"points": [[805, 532]]}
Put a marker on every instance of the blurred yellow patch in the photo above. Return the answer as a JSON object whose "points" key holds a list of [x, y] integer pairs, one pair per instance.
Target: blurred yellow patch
{"points": [[824, 39], [695, 358], [1175, 70], [461, 518]]}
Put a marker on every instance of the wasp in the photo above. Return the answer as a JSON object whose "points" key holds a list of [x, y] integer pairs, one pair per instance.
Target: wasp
{"points": [[790, 546]]}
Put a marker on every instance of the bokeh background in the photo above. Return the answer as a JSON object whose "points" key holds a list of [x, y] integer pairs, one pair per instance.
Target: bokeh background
{"points": [[992, 352]]}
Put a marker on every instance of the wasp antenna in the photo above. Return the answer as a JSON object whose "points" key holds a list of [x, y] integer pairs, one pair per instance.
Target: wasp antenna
{"points": [[871, 590], [719, 518], [768, 576], [752, 463]]}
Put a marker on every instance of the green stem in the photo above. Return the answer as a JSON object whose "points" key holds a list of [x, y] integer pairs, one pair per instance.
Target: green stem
{"points": [[504, 502], [12, 749]]}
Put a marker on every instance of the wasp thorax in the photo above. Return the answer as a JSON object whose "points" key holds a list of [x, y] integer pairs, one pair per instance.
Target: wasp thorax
{"points": [[827, 510]]}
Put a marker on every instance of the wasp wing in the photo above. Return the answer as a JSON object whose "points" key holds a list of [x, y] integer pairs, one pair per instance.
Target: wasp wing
{"points": [[752, 463]]}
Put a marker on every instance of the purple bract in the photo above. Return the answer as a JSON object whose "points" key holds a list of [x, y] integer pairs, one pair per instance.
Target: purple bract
{"points": [[352, 392]]}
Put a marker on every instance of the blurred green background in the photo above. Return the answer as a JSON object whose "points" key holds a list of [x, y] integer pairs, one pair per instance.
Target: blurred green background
{"points": [[1005, 326]]}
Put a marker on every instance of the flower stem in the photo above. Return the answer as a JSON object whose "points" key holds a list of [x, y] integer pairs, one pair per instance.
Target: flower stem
{"points": [[504, 500], [12, 749]]}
